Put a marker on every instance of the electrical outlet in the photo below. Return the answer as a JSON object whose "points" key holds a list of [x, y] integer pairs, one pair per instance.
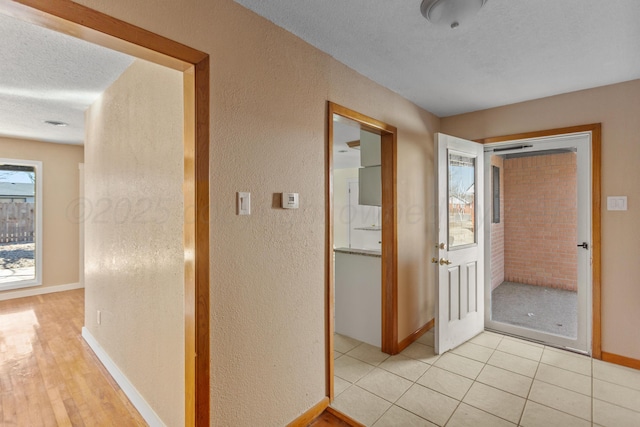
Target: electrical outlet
{"points": [[99, 317]]}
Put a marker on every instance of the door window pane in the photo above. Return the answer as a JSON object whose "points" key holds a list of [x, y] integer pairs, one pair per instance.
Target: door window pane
{"points": [[462, 198]]}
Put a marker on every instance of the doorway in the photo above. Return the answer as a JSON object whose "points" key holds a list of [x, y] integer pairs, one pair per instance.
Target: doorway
{"points": [[382, 176], [79, 21], [542, 233]]}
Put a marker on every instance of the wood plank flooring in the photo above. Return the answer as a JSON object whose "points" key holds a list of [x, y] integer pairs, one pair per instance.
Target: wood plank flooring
{"points": [[48, 375]]}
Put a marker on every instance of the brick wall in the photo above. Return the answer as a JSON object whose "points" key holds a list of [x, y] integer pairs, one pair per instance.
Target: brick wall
{"points": [[497, 232], [540, 213]]}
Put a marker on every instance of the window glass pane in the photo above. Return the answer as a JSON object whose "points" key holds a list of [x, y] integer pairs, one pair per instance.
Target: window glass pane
{"points": [[17, 223], [495, 194], [462, 198]]}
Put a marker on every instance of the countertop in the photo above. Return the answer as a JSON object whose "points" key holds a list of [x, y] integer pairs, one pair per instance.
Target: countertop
{"points": [[354, 251]]}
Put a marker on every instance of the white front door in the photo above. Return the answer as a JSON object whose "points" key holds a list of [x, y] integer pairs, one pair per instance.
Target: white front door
{"points": [[460, 249]]}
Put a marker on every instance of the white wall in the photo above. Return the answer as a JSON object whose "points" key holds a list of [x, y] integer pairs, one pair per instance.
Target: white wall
{"points": [[134, 258], [269, 93]]}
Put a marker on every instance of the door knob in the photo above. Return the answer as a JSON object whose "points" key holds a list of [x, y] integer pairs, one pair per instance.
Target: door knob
{"points": [[434, 260], [441, 246], [444, 261]]}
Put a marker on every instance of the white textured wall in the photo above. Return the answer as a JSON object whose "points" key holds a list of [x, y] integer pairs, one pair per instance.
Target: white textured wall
{"points": [[616, 107], [134, 268], [269, 93], [60, 189]]}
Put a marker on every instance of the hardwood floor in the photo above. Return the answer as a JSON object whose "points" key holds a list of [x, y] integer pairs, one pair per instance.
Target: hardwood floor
{"points": [[48, 375]]}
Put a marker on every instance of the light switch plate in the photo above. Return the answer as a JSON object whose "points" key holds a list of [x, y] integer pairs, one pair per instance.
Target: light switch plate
{"points": [[243, 201], [617, 203]]}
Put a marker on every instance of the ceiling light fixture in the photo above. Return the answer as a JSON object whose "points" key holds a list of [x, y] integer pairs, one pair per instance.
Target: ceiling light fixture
{"points": [[450, 12], [56, 123]]}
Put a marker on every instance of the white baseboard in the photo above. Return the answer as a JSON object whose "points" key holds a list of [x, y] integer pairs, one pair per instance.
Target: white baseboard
{"points": [[39, 290], [134, 396]]}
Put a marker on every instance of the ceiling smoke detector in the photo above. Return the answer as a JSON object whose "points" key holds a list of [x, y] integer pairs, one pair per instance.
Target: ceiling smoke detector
{"points": [[450, 12]]}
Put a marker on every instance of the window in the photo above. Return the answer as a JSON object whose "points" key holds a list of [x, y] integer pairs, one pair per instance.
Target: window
{"points": [[495, 194], [20, 223]]}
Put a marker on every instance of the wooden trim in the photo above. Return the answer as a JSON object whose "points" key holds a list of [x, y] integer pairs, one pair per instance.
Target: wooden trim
{"points": [[311, 414], [596, 214], [87, 24], [389, 260], [539, 134], [370, 124], [93, 26], [347, 419], [329, 303], [200, 217], [621, 360], [415, 335]]}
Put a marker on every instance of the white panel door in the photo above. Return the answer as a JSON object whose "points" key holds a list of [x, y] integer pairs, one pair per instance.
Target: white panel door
{"points": [[460, 249]]}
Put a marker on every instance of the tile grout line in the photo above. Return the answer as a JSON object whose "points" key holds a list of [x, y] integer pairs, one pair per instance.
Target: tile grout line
{"points": [[474, 381], [484, 364], [556, 409], [533, 379]]}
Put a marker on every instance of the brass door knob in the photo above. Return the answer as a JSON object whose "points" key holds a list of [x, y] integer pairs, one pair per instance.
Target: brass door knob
{"points": [[434, 260], [444, 261]]}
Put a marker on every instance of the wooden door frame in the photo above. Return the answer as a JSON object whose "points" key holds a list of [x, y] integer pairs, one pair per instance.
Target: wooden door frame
{"points": [[389, 260], [596, 206], [93, 26]]}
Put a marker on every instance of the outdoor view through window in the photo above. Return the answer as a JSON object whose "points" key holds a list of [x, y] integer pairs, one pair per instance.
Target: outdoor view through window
{"points": [[462, 197], [17, 223]]}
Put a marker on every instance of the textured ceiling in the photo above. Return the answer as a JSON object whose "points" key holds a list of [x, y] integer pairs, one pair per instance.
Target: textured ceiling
{"points": [[511, 51], [45, 75]]}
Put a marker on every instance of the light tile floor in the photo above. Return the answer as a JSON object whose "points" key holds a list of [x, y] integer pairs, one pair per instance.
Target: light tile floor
{"points": [[492, 380]]}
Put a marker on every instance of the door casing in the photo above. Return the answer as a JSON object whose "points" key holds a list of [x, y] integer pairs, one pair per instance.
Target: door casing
{"points": [[596, 205], [389, 260], [582, 142], [90, 25]]}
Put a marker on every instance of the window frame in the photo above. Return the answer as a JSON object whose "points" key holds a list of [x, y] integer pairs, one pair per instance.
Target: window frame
{"points": [[38, 200]]}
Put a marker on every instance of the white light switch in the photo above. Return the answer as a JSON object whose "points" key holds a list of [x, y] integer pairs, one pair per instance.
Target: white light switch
{"points": [[243, 203], [617, 203]]}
